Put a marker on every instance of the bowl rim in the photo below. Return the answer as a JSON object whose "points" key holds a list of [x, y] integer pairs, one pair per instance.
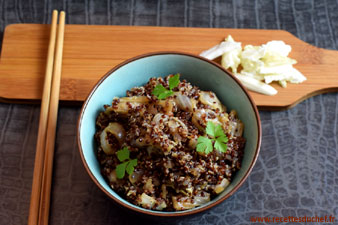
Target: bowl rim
{"points": [[176, 213]]}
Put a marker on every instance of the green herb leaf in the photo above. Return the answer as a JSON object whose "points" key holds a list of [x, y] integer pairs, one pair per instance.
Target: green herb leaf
{"points": [[220, 144], [128, 166], [174, 81], [159, 89], [219, 131], [217, 139], [213, 130], [165, 94], [161, 92], [121, 170], [204, 144], [210, 130], [123, 154], [131, 166]]}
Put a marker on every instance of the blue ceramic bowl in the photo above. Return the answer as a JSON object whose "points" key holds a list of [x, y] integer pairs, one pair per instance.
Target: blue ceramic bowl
{"points": [[201, 72]]}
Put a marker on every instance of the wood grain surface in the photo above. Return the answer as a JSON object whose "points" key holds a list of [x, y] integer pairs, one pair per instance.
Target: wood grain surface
{"points": [[91, 51]]}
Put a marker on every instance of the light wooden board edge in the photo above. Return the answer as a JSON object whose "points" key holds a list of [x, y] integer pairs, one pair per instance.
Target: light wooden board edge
{"points": [[261, 107]]}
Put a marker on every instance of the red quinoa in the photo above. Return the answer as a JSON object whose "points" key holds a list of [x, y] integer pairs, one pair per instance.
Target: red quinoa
{"points": [[162, 135]]}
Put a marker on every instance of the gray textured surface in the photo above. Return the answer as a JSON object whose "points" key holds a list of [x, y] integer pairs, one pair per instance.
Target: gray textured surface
{"points": [[297, 170]]}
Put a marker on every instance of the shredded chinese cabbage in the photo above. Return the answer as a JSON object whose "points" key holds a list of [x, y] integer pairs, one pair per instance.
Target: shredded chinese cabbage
{"points": [[266, 63]]}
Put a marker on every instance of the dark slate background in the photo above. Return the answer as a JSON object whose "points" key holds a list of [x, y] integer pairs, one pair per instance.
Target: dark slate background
{"points": [[297, 170]]}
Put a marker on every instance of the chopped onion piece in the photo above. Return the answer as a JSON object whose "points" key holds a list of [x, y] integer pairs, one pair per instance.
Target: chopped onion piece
{"points": [[201, 199], [193, 142], [112, 176], [135, 176], [256, 85], [184, 102], [278, 47], [161, 205], [209, 98], [220, 49], [164, 191], [119, 133], [148, 186], [220, 187], [168, 106], [182, 203], [146, 201], [126, 103], [106, 147], [232, 59], [297, 77], [283, 83], [237, 128]]}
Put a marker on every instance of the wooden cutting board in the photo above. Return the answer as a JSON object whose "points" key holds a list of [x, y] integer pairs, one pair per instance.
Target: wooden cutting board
{"points": [[90, 51]]}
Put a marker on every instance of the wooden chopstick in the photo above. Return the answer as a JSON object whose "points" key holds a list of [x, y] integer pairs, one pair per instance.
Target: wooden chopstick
{"points": [[41, 141], [51, 126]]}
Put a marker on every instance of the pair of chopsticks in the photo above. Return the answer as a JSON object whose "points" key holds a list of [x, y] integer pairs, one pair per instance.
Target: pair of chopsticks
{"points": [[43, 166]]}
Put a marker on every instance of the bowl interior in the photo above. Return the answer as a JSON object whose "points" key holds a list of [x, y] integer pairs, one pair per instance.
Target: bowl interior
{"points": [[201, 73]]}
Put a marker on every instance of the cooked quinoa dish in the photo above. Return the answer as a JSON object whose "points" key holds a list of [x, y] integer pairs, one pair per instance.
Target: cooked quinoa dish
{"points": [[168, 145]]}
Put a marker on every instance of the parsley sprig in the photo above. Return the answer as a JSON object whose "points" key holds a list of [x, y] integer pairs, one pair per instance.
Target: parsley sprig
{"points": [[161, 92], [127, 163], [216, 139]]}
